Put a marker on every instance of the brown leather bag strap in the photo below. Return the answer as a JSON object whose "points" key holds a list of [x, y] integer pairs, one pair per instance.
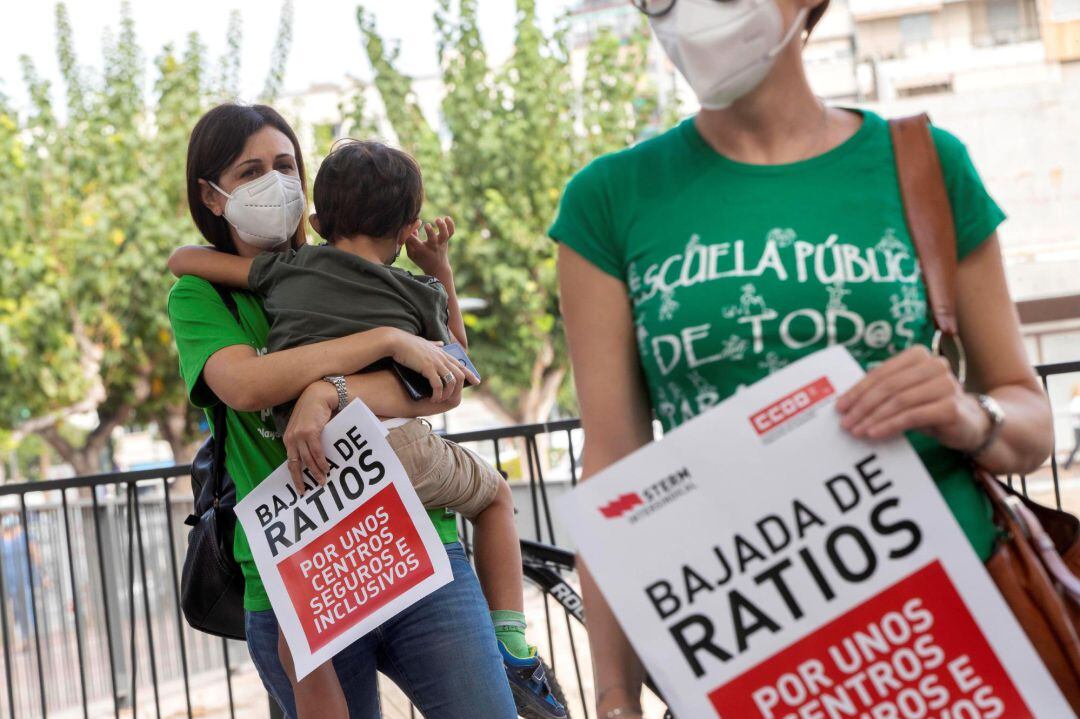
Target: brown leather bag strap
{"points": [[1021, 523], [929, 215]]}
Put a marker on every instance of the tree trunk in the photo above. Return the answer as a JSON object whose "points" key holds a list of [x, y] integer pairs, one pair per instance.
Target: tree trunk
{"points": [[86, 459], [15, 471], [536, 403], [497, 408], [83, 460], [534, 406]]}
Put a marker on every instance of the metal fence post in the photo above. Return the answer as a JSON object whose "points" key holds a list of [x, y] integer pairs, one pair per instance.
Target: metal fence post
{"points": [[111, 555]]}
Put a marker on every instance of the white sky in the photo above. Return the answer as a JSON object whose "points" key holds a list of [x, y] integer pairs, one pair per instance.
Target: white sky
{"points": [[326, 40]]}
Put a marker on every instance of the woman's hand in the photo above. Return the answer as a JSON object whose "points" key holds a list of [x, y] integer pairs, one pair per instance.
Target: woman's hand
{"points": [[432, 255], [915, 390], [303, 436], [446, 375]]}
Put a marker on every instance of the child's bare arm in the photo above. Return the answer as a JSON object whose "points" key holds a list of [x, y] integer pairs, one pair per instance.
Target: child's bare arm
{"points": [[211, 265], [456, 323], [319, 694], [433, 257]]}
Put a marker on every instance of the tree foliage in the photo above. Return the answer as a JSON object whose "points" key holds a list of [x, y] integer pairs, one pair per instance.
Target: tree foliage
{"points": [[510, 138], [279, 58], [92, 200]]}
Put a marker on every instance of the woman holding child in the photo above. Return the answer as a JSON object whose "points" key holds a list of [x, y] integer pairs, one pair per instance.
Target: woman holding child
{"points": [[762, 182], [246, 182]]}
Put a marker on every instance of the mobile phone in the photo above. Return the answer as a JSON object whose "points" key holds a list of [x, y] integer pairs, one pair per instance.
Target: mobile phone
{"points": [[417, 385]]}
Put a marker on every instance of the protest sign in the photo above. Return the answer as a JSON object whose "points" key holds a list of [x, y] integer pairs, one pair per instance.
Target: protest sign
{"points": [[342, 558], [766, 565]]}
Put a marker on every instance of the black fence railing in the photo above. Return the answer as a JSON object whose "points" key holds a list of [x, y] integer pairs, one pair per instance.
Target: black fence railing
{"points": [[90, 621], [90, 597], [1061, 382]]}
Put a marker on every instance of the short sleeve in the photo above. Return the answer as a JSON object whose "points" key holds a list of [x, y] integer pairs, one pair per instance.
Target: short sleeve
{"points": [[266, 268], [202, 325], [585, 222], [975, 212], [435, 310]]}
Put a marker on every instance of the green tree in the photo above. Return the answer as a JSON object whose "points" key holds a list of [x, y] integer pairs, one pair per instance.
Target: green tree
{"points": [[228, 87], [279, 57], [90, 207], [509, 140]]}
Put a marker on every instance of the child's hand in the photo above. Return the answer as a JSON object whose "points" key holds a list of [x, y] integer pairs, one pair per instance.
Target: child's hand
{"points": [[432, 255]]}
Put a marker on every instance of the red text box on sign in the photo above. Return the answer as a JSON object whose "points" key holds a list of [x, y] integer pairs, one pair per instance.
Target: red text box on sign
{"points": [[357, 601], [844, 669]]}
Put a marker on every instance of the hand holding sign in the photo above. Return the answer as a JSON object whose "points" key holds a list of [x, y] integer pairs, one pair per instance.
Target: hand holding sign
{"points": [[767, 565], [344, 556]]}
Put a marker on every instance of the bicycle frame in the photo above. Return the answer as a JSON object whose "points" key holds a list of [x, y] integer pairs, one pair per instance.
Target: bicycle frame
{"points": [[543, 565]]}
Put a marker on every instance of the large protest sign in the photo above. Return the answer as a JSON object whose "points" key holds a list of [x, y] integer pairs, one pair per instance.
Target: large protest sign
{"points": [[342, 558], [766, 565]]}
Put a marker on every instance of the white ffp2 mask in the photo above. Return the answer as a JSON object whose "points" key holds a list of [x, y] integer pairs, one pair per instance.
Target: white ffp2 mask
{"points": [[724, 49], [265, 211]]}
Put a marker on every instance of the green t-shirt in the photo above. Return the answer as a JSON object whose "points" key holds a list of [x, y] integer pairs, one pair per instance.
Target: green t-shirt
{"points": [[202, 325], [736, 270]]}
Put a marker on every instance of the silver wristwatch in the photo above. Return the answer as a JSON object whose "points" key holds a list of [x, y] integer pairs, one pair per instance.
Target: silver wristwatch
{"points": [[342, 391], [997, 419]]}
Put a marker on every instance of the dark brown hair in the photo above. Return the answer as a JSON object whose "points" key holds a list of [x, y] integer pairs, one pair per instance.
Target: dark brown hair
{"points": [[367, 188], [216, 141], [815, 16]]}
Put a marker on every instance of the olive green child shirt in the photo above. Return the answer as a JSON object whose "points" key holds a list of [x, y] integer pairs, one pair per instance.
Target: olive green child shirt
{"points": [[202, 325]]}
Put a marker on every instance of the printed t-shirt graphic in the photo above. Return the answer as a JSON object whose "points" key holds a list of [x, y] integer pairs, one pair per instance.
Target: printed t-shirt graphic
{"points": [[736, 270]]}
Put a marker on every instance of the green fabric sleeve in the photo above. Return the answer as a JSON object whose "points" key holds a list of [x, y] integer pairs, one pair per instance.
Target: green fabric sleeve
{"points": [[201, 325], [974, 211], [585, 223]]}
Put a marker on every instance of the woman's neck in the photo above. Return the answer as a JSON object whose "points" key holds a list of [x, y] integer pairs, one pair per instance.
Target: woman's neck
{"points": [[779, 122]]}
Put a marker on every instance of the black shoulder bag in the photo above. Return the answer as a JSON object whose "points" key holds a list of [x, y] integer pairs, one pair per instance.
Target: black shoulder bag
{"points": [[212, 585]]}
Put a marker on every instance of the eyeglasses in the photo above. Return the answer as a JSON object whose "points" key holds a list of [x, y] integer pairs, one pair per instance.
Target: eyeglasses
{"points": [[658, 8]]}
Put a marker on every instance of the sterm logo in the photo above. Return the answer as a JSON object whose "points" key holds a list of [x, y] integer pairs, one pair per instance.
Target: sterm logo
{"points": [[651, 498], [621, 505]]}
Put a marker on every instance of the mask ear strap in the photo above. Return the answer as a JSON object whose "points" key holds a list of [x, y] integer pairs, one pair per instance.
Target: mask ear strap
{"points": [[800, 23], [214, 185]]}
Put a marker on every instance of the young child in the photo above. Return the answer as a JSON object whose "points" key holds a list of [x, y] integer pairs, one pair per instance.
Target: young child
{"points": [[368, 198]]}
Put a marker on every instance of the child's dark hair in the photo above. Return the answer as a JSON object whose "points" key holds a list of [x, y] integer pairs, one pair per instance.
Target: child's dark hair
{"points": [[367, 188]]}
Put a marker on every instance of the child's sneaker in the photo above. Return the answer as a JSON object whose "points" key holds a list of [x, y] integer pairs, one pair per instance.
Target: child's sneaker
{"points": [[536, 695]]}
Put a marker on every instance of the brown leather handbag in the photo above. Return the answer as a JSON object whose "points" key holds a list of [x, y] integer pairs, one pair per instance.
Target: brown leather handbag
{"points": [[1036, 564]]}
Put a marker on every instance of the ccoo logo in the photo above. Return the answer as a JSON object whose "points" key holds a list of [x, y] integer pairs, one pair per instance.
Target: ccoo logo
{"points": [[794, 404]]}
